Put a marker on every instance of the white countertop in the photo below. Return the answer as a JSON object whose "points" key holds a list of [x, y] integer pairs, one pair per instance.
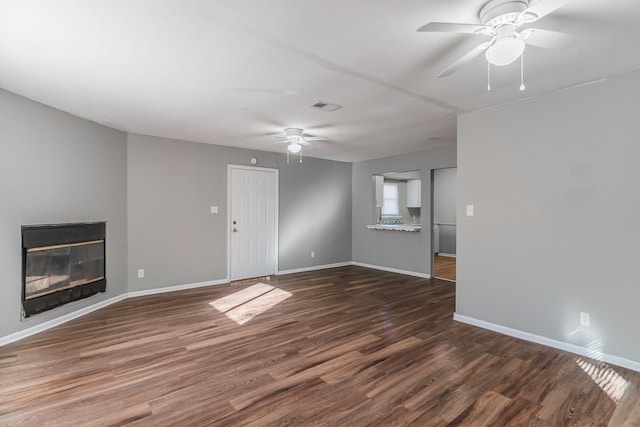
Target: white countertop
{"points": [[395, 227]]}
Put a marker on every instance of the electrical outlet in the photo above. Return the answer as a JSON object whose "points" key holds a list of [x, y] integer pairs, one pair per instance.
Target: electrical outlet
{"points": [[585, 319], [141, 273], [313, 254]]}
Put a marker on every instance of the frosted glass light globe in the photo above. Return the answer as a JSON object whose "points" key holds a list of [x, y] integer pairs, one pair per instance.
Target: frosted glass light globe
{"points": [[505, 51]]}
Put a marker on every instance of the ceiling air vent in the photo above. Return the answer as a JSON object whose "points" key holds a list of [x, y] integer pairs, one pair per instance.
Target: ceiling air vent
{"points": [[325, 106]]}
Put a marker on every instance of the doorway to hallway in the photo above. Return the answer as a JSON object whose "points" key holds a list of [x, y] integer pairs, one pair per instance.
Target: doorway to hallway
{"points": [[443, 229]]}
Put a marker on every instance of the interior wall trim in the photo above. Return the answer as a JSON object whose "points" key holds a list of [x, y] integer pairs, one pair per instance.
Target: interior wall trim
{"points": [[7, 339], [314, 268], [393, 270], [446, 255], [155, 291], [549, 342]]}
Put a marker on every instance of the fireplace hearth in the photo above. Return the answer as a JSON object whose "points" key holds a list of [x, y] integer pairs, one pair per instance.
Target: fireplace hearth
{"points": [[61, 263]]}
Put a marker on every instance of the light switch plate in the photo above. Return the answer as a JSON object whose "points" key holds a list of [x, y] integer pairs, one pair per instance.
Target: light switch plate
{"points": [[141, 273], [469, 210], [214, 209]]}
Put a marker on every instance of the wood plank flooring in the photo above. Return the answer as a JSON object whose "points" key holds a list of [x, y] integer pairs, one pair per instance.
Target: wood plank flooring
{"points": [[444, 267], [349, 347]]}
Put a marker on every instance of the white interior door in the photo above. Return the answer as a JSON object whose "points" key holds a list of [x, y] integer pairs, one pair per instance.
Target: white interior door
{"points": [[253, 222]]}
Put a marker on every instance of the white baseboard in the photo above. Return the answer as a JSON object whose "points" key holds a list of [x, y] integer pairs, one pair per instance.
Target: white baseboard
{"points": [[86, 310], [446, 254], [393, 270], [621, 361], [155, 291], [7, 339], [549, 342], [314, 268]]}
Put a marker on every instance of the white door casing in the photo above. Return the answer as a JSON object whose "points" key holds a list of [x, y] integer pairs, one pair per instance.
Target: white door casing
{"points": [[253, 220]]}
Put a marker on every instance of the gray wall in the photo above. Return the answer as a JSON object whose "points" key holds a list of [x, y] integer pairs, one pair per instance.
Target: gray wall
{"points": [[395, 249], [176, 240], [172, 185], [56, 168], [445, 195], [315, 213], [557, 215]]}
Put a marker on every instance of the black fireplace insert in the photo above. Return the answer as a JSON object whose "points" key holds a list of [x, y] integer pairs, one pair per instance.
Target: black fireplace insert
{"points": [[61, 263]]}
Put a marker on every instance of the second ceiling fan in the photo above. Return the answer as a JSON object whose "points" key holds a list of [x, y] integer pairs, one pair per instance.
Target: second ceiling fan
{"points": [[503, 22], [295, 138]]}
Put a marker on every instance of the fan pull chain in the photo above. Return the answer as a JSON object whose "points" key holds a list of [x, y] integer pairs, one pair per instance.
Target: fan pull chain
{"points": [[522, 86], [488, 76], [300, 156], [287, 154]]}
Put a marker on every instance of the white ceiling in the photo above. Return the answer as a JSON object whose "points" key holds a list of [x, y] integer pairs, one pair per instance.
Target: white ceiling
{"points": [[234, 72]]}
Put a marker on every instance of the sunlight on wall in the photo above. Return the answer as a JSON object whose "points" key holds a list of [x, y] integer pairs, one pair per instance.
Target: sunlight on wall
{"points": [[248, 303], [593, 350], [606, 378]]}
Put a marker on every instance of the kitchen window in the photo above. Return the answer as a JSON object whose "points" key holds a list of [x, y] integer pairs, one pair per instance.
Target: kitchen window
{"points": [[390, 205]]}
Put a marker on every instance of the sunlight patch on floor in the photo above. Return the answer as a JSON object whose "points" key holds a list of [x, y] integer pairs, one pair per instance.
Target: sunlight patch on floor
{"points": [[225, 304], [606, 378], [248, 303]]}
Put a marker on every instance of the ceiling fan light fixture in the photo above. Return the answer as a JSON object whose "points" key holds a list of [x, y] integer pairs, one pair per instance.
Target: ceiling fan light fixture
{"points": [[504, 51], [294, 147]]}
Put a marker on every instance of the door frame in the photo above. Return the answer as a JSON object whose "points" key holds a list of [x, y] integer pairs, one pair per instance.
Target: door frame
{"points": [[433, 222], [276, 254]]}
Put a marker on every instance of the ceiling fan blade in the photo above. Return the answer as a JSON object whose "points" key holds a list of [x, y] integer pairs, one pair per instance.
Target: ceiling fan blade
{"points": [[466, 58], [542, 8], [286, 141], [447, 27], [548, 39], [316, 138]]}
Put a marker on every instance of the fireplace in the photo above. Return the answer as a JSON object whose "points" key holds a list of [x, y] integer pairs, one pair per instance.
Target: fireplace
{"points": [[61, 263]]}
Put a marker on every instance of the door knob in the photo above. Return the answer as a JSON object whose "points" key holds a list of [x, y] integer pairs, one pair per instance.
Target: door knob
{"points": [[235, 230]]}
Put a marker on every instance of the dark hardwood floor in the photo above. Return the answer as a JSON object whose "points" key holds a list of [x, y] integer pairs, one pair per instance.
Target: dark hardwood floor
{"points": [[444, 267], [347, 346]]}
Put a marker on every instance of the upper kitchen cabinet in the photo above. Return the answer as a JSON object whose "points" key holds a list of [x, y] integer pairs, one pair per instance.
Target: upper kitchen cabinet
{"points": [[414, 193]]}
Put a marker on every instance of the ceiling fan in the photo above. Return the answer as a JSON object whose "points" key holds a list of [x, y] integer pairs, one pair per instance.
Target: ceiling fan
{"points": [[295, 138], [502, 21]]}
